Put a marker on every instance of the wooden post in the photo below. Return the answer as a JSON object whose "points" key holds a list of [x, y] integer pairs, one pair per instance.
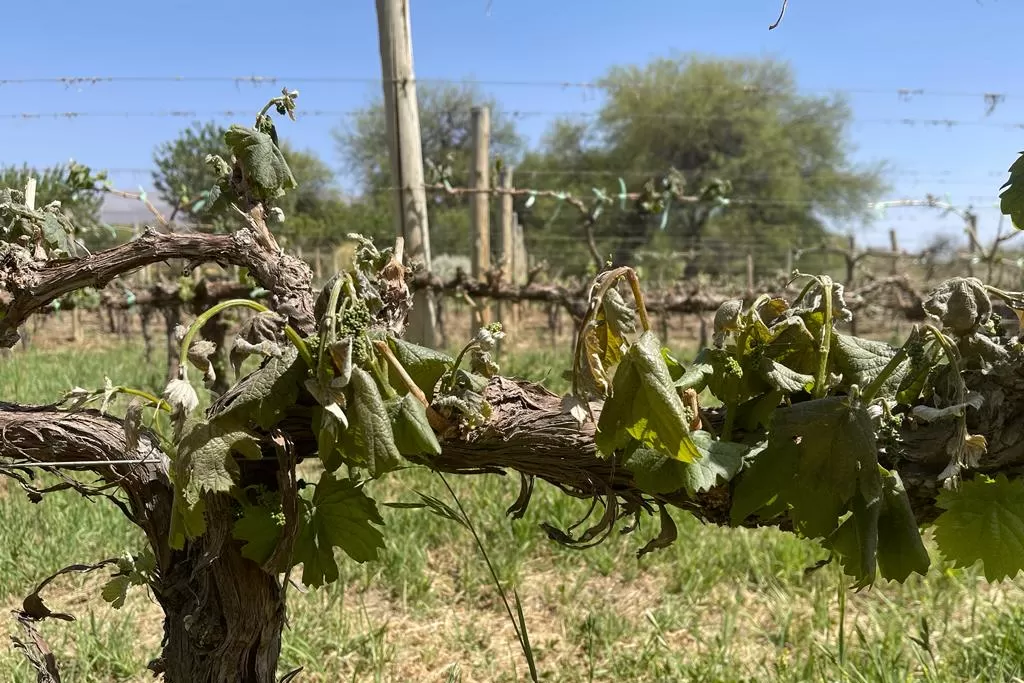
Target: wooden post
{"points": [[479, 206], [750, 274], [851, 261], [406, 154], [508, 250], [895, 246], [520, 266]]}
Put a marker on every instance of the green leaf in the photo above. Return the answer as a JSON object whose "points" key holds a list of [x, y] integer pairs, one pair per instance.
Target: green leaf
{"points": [[983, 520], [368, 440], [412, 431], [758, 411], [1011, 195], [760, 485], [730, 382], [341, 516], [262, 162], [695, 377], [187, 521], [115, 591], [260, 529], [900, 548], [425, 366], [264, 396], [856, 540], [861, 362], [644, 405], [656, 473], [675, 368], [816, 454], [782, 378], [834, 443]]}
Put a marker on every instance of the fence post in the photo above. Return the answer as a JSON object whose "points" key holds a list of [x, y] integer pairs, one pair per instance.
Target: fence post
{"points": [[405, 147], [506, 218], [479, 206], [895, 246]]}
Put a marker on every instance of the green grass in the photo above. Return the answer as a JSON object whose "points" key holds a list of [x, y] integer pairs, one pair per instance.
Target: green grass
{"points": [[718, 605]]}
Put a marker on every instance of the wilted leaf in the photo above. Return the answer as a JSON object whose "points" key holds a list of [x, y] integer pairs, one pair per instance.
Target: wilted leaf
{"points": [[205, 464], [645, 406], [264, 396], [900, 548], [262, 162], [819, 452]]}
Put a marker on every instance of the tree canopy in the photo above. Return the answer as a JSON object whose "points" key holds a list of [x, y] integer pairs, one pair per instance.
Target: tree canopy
{"points": [[784, 153]]}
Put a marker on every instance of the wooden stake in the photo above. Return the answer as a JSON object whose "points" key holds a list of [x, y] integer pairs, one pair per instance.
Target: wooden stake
{"points": [[479, 206], [406, 154]]}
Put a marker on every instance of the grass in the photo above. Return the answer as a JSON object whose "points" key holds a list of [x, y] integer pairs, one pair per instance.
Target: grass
{"points": [[718, 605]]}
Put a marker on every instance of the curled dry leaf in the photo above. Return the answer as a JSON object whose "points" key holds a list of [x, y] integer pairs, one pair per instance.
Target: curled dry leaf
{"points": [[199, 355], [180, 395]]}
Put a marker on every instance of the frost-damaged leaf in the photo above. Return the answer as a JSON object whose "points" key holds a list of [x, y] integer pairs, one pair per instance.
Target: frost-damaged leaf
{"points": [[856, 540], [1011, 196], [900, 548], [784, 379], [606, 336], [264, 165], [665, 538], [425, 366], [340, 515], [645, 405], [205, 464], [265, 395], [656, 473], [861, 362], [260, 529], [412, 432], [983, 520], [368, 440], [817, 453]]}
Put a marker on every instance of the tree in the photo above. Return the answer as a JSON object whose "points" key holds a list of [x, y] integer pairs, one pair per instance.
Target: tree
{"points": [[447, 135], [847, 441], [744, 121], [79, 194]]}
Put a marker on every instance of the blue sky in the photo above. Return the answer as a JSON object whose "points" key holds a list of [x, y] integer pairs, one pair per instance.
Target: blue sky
{"points": [[952, 51]]}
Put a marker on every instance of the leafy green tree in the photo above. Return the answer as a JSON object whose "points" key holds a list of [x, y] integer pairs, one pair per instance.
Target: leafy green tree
{"points": [[181, 174], [76, 188], [744, 121], [447, 134]]}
